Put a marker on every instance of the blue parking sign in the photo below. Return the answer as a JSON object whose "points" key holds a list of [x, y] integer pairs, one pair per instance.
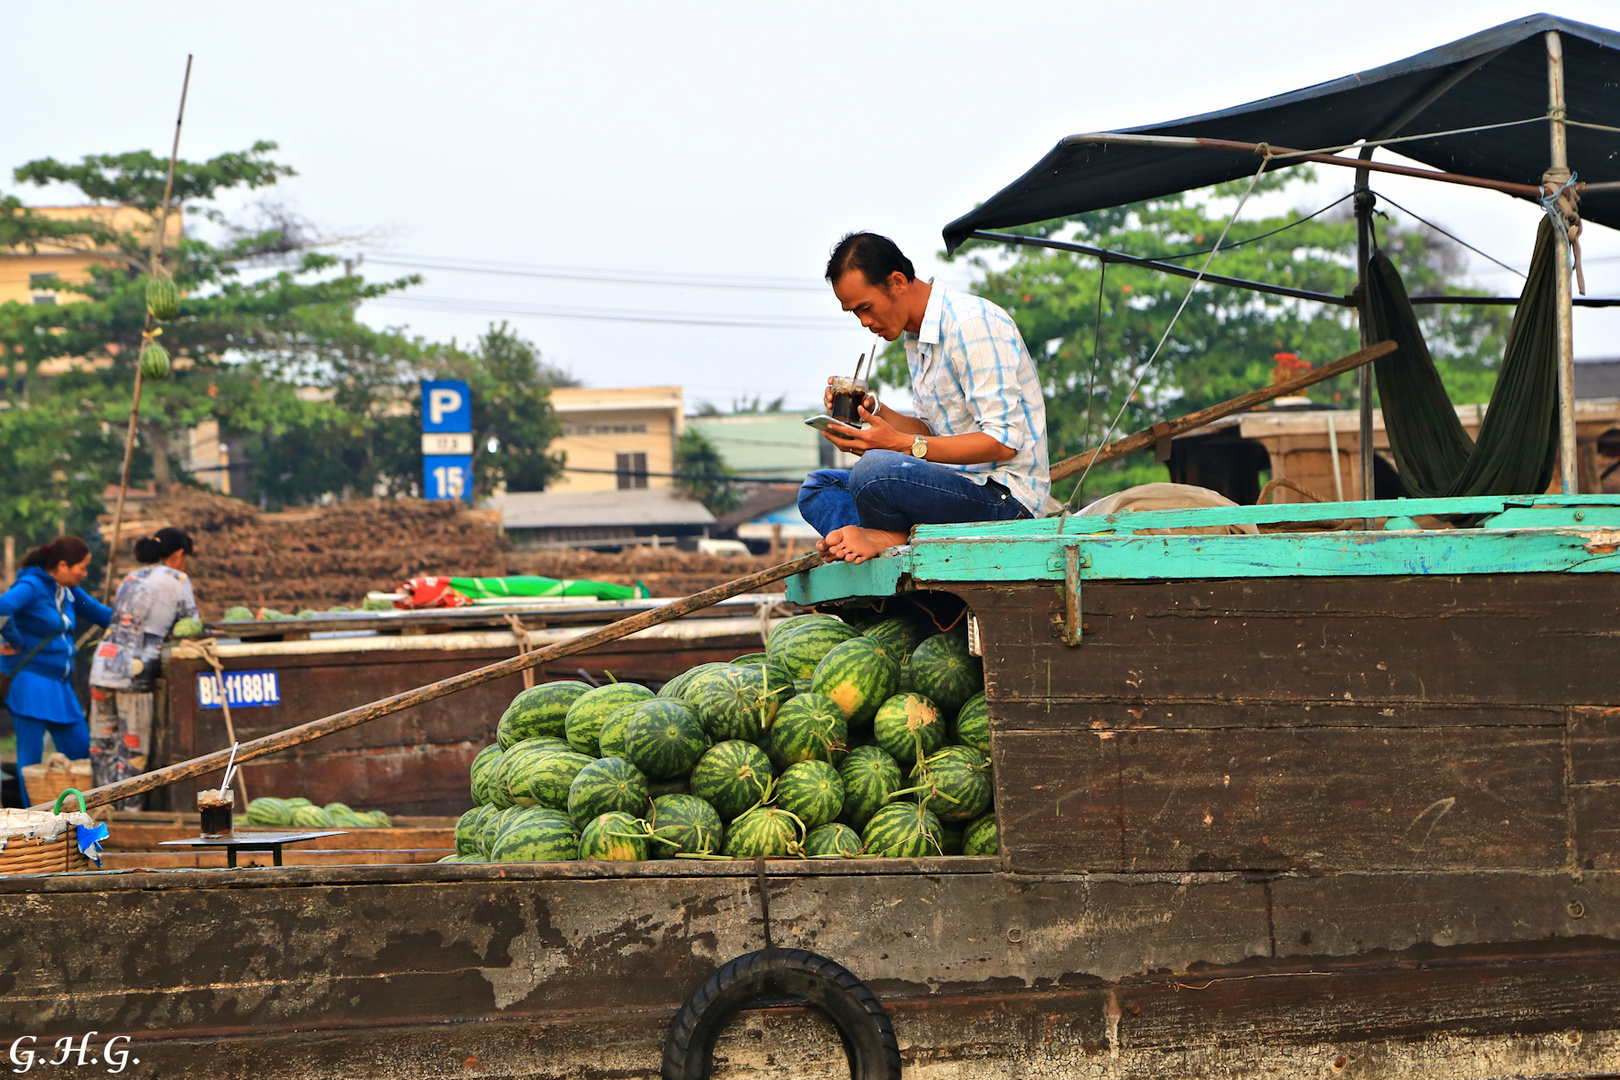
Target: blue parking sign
{"points": [[446, 405], [447, 476]]}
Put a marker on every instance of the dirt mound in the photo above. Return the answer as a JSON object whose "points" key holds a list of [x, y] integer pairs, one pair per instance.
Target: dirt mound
{"points": [[317, 557]]}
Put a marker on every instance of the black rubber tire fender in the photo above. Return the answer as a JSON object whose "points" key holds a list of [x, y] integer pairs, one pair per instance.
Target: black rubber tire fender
{"points": [[862, 1022]]}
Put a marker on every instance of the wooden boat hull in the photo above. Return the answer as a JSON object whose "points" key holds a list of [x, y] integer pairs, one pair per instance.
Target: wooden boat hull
{"points": [[576, 969], [1255, 823]]}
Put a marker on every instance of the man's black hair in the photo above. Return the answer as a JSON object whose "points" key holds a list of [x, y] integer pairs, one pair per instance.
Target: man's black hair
{"points": [[876, 257]]}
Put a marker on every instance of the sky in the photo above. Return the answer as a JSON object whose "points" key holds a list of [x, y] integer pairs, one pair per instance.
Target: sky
{"points": [[658, 186]]}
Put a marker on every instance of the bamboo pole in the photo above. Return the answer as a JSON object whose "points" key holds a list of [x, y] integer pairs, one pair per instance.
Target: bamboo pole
{"points": [[330, 725], [1556, 176], [1284, 155], [1143, 440], [146, 335]]}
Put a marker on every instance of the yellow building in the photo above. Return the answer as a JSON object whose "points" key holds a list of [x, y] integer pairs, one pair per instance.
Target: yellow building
{"points": [[618, 438], [24, 273]]}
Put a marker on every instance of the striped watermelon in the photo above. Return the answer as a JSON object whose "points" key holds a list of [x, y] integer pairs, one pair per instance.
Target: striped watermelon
{"points": [[811, 791], [267, 810], [536, 834], [858, 676], [982, 837], [870, 776], [764, 830], [731, 776], [539, 710], [973, 724], [676, 687], [311, 817], [606, 785], [905, 723], [489, 829], [545, 778], [737, 702], [482, 767], [298, 800], [586, 715], [685, 824], [956, 782], [810, 727], [512, 765], [802, 684], [944, 672], [467, 830], [903, 830], [663, 738], [832, 841], [614, 837], [897, 637], [800, 643], [750, 658], [610, 740]]}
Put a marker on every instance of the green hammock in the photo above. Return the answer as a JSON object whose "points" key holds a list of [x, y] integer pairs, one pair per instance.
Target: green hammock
{"points": [[1518, 439]]}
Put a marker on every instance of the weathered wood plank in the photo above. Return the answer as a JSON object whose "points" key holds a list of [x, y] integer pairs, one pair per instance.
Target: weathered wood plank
{"points": [[1594, 746], [1597, 825], [291, 856], [1089, 714], [1494, 639], [1335, 798]]}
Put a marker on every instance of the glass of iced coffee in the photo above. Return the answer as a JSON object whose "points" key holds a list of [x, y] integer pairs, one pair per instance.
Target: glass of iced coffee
{"points": [[214, 805], [847, 397]]}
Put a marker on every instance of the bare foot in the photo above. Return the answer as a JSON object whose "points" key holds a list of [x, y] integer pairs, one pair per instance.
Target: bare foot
{"points": [[855, 544]]}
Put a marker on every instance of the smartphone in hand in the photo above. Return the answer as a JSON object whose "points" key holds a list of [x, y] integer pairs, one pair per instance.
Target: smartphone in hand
{"points": [[820, 422]]}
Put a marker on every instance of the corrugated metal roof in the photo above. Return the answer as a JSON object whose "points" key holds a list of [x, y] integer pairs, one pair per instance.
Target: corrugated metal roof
{"points": [[573, 510]]}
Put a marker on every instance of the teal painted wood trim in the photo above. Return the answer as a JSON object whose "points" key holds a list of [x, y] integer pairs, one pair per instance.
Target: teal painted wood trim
{"points": [[837, 581], [1523, 507], [1329, 554]]}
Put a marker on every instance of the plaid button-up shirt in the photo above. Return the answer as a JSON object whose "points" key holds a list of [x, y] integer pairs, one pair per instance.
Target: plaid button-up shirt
{"points": [[971, 372]]}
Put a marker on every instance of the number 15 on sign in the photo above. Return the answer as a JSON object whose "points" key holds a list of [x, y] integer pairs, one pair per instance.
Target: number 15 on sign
{"points": [[447, 476]]}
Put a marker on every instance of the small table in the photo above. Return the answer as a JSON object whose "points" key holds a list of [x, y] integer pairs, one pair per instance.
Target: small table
{"points": [[255, 841]]}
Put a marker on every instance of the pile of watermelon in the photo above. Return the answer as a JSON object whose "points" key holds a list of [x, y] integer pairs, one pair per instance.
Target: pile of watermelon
{"points": [[300, 813], [835, 742]]}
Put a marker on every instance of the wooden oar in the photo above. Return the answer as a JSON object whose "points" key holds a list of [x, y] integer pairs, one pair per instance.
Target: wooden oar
{"points": [[328, 725], [1143, 440]]}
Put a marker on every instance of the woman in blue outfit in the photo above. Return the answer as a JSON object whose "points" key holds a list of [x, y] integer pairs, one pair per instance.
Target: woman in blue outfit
{"points": [[43, 608]]}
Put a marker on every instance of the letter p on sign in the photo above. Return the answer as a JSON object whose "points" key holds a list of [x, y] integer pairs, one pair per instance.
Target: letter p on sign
{"points": [[442, 403], [446, 406]]}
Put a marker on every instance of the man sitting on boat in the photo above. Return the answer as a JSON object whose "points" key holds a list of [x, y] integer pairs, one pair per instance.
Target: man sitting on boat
{"points": [[975, 448]]}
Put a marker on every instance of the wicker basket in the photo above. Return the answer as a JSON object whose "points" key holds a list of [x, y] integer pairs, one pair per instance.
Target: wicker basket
{"points": [[47, 780], [38, 842]]}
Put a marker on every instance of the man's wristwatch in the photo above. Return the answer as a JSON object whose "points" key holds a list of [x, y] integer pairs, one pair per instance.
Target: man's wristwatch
{"points": [[919, 447]]}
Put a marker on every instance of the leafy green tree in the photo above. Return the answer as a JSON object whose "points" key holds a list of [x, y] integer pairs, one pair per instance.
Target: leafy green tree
{"points": [[702, 474], [1091, 330], [261, 314]]}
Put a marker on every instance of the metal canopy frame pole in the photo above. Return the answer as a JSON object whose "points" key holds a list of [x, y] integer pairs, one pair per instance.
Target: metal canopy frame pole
{"points": [[1556, 176]]}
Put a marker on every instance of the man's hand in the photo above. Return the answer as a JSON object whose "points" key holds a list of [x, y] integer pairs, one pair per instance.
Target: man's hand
{"points": [[6, 649], [878, 435]]}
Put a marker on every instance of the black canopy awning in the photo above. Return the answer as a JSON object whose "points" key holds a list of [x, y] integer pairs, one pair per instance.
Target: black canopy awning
{"points": [[1498, 76]]}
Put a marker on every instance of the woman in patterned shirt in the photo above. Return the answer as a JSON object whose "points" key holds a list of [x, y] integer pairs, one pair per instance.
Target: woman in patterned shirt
{"points": [[150, 601]]}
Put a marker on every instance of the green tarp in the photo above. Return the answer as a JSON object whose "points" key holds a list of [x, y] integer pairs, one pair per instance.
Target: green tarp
{"points": [[485, 588], [1518, 439]]}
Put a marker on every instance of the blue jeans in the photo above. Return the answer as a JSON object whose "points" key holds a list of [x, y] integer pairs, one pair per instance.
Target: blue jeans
{"points": [[893, 491], [71, 738]]}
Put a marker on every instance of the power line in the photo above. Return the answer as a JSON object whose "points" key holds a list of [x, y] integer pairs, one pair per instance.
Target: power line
{"points": [[622, 277], [672, 318]]}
